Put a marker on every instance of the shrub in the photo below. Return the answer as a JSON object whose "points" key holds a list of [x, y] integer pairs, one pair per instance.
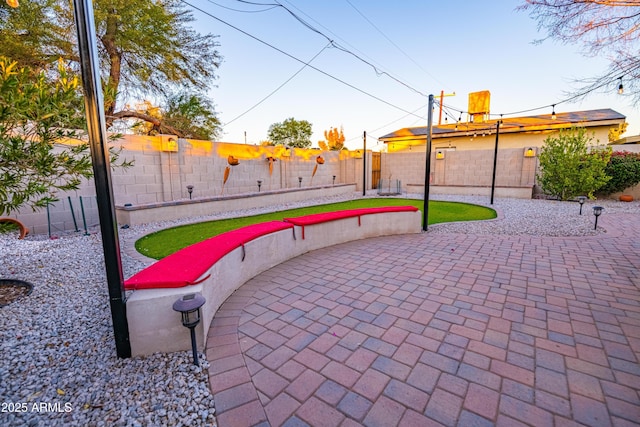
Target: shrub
{"points": [[624, 170], [568, 168]]}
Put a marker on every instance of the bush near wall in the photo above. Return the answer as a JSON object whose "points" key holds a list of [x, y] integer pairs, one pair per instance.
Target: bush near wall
{"points": [[624, 170]]}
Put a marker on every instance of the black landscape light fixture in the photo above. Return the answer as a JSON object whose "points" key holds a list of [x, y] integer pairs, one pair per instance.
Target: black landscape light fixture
{"points": [[299, 181], [597, 211], [334, 180], [190, 190], [189, 306], [581, 200], [259, 184]]}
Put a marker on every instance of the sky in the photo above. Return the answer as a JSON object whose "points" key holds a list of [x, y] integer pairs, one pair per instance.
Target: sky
{"points": [[399, 53]]}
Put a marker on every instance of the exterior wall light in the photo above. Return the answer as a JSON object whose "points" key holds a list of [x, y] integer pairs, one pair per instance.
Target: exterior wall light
{"points": [[190, 190], [581, 200], [530, 152], [189, 306], [439, 155], [597, 211]]}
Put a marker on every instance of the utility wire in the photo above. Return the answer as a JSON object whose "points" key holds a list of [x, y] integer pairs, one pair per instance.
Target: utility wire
{"points": [[393, 43], [297, 59], [279, 87], [377, 70], [243, 11], [529, 110], [380, 66]]}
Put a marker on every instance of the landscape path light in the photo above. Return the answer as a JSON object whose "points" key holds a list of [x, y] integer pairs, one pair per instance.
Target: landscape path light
{"points": [[597, 211], [190, 190], [189, 306], [334, 180], [299, 181], [259, 184], [581, 200]]}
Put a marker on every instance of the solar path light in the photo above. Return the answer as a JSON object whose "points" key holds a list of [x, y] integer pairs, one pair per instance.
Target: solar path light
{"points": [[581, 200], [597, 211], [189, 306], [299, 181], [259, 184], [190, 190]]}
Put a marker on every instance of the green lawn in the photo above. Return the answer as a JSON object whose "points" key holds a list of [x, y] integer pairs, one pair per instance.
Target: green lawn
{"points": [[165, 242]]}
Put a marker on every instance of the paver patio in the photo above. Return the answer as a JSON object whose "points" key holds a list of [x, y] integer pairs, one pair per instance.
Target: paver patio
{"points": [[437, 329]]}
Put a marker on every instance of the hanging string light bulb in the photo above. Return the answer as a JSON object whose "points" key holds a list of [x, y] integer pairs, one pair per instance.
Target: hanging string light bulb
{"points": [[620, 87], [553, 112]]}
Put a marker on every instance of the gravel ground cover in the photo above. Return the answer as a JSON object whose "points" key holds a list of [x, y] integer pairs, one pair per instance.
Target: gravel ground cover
{"points": [[58, 364]]}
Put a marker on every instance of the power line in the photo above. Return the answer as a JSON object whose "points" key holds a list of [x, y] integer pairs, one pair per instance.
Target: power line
{"points": [[393, 43], [279, 87], [296, 59], [243, 11], [377, 70], [380, 66]]}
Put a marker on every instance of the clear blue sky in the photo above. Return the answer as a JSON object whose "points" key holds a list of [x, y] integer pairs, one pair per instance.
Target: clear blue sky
{"points": [[459, 46]]}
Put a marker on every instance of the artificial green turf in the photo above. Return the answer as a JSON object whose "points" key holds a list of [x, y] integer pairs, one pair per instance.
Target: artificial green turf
{"points": [[165, 242]]}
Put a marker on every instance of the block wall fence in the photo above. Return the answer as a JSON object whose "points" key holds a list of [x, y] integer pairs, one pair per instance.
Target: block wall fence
{"points": [[160, 176]]}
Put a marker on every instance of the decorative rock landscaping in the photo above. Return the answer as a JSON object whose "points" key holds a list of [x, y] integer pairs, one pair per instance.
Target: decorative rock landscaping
{"points": [[58, 354]]}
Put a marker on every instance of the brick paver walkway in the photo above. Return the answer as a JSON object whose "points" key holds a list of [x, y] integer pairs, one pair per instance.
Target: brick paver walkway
{"points": [[437, 329]]}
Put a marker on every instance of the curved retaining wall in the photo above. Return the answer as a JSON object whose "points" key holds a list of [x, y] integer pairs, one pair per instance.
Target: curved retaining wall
{"points": [[155, 327]]}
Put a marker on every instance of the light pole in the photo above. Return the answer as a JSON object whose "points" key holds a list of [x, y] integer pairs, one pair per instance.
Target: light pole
{"points": [[94, 105]]}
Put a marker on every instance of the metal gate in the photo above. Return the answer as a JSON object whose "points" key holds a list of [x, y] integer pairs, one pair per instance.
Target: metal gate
{"points": [[376, 166]]}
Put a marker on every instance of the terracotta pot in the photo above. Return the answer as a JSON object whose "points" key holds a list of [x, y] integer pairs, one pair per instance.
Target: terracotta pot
{"points": [[626, 198]]}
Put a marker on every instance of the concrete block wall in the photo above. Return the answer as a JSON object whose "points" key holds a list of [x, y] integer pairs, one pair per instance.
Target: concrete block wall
{"points": [[469, 168], [159, 176]]}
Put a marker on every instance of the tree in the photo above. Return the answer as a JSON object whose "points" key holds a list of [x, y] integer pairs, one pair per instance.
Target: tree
{"points": [[333, 140], [616, 133], [568, 168], [608, 28], [145, 47], [189, 116], [291, 133], [39, 150]]}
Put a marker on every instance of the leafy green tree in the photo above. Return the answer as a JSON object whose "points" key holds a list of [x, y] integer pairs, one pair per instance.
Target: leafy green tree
{"points": [[145, 47], [40, 153], [193, 115], [291, 132], [568, 168]]}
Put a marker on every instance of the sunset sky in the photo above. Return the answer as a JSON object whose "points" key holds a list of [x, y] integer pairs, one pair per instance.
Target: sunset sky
{"points": [[427, 46]]}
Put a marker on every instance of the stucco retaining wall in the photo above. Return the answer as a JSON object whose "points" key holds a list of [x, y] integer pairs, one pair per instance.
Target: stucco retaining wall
{"points": [[155, 327]]}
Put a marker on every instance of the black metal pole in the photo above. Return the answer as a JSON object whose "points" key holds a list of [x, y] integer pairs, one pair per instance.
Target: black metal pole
{"points": [[193, 346], [495, 161], [89, 66], [364, 164], [427, 167]]}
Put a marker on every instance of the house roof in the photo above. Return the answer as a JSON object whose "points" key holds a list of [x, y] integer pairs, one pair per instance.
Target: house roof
{"points": [[589, 118]]}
